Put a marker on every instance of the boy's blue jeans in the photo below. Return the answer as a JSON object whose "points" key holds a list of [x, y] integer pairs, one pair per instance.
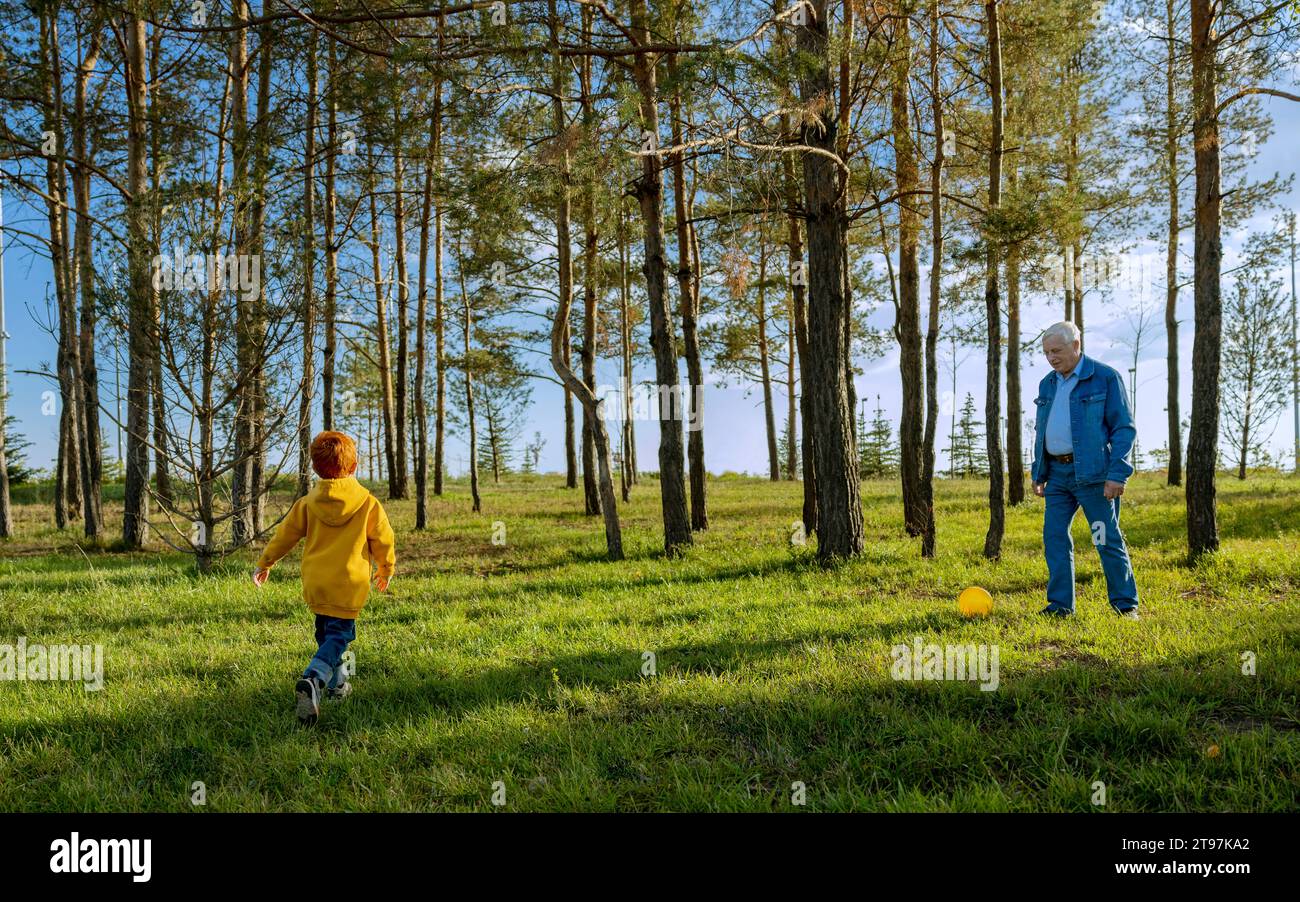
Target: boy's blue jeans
{"points": [[1063, 498], [332, 636]]}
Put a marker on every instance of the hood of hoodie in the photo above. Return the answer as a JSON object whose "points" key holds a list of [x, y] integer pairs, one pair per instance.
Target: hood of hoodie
{"points": [[334, 501]]}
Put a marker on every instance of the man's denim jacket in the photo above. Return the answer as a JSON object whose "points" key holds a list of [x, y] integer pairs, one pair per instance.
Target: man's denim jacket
{"points": [[1101, 425]]}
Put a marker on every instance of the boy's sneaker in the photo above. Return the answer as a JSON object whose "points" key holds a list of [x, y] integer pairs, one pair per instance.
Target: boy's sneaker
{"points": [[342, 690], [308, 692]]}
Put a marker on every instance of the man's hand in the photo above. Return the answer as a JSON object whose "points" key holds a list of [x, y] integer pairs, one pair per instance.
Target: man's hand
{"points": [[1113, 490], [259, 576], [381, 583], [1039, 488]]}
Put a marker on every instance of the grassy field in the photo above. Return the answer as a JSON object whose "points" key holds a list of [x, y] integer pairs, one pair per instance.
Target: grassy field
{"points": [[521, 666]]}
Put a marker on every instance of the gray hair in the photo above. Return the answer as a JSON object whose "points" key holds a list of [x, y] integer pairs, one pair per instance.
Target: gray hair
{"points": [[1064, 330]]}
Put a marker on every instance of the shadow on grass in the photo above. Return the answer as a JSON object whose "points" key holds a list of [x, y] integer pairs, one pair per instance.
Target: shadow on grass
{"points": [[1045, 725]]}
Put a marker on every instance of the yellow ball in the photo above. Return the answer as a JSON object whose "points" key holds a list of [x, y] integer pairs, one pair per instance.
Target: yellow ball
{"points": [[975, 602]]}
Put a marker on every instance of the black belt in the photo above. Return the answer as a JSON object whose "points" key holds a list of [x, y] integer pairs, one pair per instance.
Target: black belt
{"points": [[1061, 458]]}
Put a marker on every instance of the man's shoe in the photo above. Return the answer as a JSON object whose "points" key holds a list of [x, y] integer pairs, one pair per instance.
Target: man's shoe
{"points": [[1130, 614], [1052, 611], [342, 690], [308, 693]]}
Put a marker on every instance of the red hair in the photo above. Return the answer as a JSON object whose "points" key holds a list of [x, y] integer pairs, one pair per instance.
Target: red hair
{"points": [[333, 455]]}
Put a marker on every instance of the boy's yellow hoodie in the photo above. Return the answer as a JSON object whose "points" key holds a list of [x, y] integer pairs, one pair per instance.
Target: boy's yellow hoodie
{"points": [[346, 528]]}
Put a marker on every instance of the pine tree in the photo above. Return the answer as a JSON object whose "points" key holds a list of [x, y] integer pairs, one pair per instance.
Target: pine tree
{"points": [[15, 443], [878, 453], [965, 452], [782, 447]]}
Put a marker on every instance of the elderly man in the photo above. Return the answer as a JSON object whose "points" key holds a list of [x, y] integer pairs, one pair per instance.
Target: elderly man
{"points": [[1083, 435]]}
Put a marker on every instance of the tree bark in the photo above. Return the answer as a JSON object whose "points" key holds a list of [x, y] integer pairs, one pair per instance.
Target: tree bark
{"points": [[162, 468], [1203, 440], [308, 278], [628, 468], [331, 246], [428, 210], [1171, 254], [992, 305], [690, 302], [798, 290], [839, 510], [591, 489], [381, 328], [92, 457], [908, 326], [136, 500], [936, 273], [399, 485], [769, 412], [649, 192], [67, 494], [468, 332]]}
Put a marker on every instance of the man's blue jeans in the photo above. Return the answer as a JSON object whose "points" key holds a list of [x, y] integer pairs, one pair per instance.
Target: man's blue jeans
{"points": [[1063, 498], [332, 636]]}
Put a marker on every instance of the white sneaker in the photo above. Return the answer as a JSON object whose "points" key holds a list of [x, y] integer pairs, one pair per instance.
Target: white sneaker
{"points": [[308, 701]]}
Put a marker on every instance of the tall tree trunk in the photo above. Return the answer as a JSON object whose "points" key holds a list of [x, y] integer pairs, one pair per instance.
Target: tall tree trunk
{"points": [[842, 149], [798, 289], [400, 482], [67, 495], [570, 449], [769, 412], [1245, 429], [308, 278], [628, 468], [92, 456], [136, 499], [439, 318], [432, 165], [936, 273], [205, 547], [693, 404], [564, 265], [908, 328], [839, 509], [1171, 252], [6, 508], [162, 469], [468, 332], [791, 415], [992, 305], [261, 175], [1203, 440], [331, 246], [1067, 277], [381, 328], [593, 412], [649, 191], [590, 276], [245, 237], [1015, 422], [1015, 450], [1078, 292]]}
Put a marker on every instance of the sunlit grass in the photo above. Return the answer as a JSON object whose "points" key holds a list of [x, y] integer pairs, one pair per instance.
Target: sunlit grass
{"points": [[523, 665]]}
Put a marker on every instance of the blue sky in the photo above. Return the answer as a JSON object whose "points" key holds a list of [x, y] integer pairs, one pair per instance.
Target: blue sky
{"points": [[733, 419]]}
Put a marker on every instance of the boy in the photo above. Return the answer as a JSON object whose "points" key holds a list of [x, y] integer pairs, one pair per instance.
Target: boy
{"points": [[346, 529]]}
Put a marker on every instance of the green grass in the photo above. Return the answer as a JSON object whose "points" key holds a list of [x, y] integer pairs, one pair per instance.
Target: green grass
{"points": [[522, 664]]}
